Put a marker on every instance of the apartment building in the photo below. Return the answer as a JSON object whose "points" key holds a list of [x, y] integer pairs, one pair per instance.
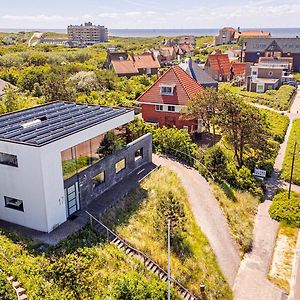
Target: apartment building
{"points": [[88, 33]]}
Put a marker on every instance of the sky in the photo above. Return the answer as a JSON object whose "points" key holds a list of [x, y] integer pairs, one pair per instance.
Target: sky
{"points": [[156, 14]]}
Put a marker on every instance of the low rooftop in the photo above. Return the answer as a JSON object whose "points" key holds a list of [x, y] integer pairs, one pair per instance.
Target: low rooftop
{"points": [[41, 125]]}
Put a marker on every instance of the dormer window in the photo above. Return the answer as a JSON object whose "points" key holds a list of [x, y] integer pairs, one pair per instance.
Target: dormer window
{"points": [[167, 89]]}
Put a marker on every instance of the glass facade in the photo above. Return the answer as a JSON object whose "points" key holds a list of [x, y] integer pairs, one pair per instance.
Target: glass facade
{"points": [[78, 158]]}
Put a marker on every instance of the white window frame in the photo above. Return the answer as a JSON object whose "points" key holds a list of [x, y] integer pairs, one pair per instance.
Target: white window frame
{"points": [[159, 107], [171, 87]]}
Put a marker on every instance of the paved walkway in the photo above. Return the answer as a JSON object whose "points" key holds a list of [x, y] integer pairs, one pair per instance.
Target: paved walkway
{"points": [[251, 281], [208, 216]]}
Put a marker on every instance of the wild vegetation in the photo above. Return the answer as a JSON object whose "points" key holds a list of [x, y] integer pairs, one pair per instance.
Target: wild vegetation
{"points": [[141, 219], [86, 267], [287, 163], [240, 209]]}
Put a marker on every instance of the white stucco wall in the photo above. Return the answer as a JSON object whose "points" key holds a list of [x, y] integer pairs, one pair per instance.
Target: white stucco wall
{"points": [[24, 183], [38, 180]]}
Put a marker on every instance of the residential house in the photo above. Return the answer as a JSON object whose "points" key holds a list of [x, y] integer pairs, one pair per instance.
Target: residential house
{"points": [[286, 63], [52, 162], [124, 64], [187, 49], [218, 66], [225, 36], [254, 49], [229, 35], [163, 102], [166, 55], [3, 85], [187, 40], [238, 71], [249, 34], [198, 73], [263, 78], [54, 41], [114, 55]]}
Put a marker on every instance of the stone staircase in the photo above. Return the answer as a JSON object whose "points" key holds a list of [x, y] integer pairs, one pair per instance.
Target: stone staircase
{"points": [[18, 289], [147, 261]]}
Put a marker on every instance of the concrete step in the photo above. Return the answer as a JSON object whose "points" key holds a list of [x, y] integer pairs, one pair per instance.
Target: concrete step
{"points": [[23, 297], [16, 284], [20, 291]]}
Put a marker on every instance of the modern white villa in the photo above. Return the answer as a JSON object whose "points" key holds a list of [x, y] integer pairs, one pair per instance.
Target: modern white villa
{"points": [[52, 163]]}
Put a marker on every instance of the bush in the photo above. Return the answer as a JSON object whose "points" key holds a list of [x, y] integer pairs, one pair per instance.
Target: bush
{"points": [[286, 210], [215, 160], [133, 288]]}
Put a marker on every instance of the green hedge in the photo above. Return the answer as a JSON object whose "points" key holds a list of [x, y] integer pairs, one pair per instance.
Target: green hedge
{"points": [[286, 210]]}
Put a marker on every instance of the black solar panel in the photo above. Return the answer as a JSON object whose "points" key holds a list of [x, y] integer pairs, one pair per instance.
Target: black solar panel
{"points": [[43, 124]]}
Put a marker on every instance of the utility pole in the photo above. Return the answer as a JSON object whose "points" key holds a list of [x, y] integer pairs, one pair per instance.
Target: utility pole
{"points": [[169, 260], [292, 170]]}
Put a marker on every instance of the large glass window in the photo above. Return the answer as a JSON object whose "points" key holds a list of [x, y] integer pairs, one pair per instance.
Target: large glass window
{"points": [[8, 159], [83, 155]]}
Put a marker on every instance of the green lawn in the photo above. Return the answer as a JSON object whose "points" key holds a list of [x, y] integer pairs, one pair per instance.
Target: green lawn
{"points": [[279, 100], [278, 124], [287, 163], [196, 264], [239, 209]]}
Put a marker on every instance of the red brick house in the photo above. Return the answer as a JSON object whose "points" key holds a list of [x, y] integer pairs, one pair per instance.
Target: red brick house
{"points": [[218, 67], [163, 102]]}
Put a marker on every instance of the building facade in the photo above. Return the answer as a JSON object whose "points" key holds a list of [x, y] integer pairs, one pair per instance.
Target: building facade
{"points": [[163, 102], [254, 49], [56, 158], [87, 34]]}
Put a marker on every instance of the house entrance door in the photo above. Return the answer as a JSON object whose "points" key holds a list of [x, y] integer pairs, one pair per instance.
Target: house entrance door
{"points": [[72, 199]]}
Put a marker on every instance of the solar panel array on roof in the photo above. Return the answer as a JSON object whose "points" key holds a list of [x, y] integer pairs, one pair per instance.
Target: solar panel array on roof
{"points": [[44, 124]]}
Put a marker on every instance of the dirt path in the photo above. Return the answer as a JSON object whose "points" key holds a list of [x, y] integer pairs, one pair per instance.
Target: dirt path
{"points": [[208, 216]]}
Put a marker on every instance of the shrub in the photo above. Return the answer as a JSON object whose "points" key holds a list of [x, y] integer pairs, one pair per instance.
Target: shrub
{"points": [[215, 160], [133, 288], [286, 210]]}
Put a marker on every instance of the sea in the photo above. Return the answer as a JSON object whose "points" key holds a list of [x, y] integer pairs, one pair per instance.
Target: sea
{"points": [[276, 32]]}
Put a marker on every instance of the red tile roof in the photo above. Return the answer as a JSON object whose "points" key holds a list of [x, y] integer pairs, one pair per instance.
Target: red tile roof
{"points": [[251, 33], [219, 62], [135, 62], [145, 60], [238, 69], [123, 67], [185, 88]]}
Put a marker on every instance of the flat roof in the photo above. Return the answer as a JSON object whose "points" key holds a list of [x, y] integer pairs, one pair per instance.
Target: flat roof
{"points": [[43, 124]]}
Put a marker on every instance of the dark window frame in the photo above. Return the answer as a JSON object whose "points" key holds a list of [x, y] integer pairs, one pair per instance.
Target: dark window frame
{"points": [[19, 207], [12, 162]]}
